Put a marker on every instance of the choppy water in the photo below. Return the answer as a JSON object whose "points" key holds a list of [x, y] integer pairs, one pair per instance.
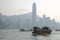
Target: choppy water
{"points": [[16, 35]]}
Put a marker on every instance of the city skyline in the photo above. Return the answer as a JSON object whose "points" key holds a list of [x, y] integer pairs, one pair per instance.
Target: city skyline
{"points": [[27, 21], [51, 8]]}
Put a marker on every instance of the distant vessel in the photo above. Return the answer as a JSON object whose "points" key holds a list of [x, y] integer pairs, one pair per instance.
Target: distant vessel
{"points": [[57, 30], [44, 31], [25, 30]]}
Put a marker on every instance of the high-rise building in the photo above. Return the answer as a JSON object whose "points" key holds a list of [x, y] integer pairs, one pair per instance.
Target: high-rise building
{"points": [[34, 15]]}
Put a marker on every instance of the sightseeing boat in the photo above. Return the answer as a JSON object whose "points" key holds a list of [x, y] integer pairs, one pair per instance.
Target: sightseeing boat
{"points": [[43, 31]]}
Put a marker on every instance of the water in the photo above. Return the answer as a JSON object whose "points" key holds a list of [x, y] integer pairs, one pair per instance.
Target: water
{"points": [[16, 35]]}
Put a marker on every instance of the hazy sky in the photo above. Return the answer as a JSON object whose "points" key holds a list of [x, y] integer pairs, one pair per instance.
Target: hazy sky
{"points": [[49, 7]]}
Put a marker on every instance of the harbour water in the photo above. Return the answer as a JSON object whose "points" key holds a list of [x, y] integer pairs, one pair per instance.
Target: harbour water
{"points": [[19, 35]]}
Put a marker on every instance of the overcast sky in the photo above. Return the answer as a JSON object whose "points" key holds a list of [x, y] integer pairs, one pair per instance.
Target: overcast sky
{"points": [[51, 8]]}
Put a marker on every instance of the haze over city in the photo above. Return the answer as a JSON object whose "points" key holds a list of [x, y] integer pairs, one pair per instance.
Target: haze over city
{"points": [[27, 21], [50, 8]]}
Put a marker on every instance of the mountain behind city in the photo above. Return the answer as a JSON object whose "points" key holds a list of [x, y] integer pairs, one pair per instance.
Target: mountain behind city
{"points": [[25, 21]]}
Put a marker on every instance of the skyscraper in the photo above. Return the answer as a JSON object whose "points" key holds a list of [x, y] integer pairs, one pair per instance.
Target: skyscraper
{"points": [[34, 15]]}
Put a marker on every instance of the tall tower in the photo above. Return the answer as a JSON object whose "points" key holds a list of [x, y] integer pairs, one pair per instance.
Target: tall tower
{"points": [[34, 15]]}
